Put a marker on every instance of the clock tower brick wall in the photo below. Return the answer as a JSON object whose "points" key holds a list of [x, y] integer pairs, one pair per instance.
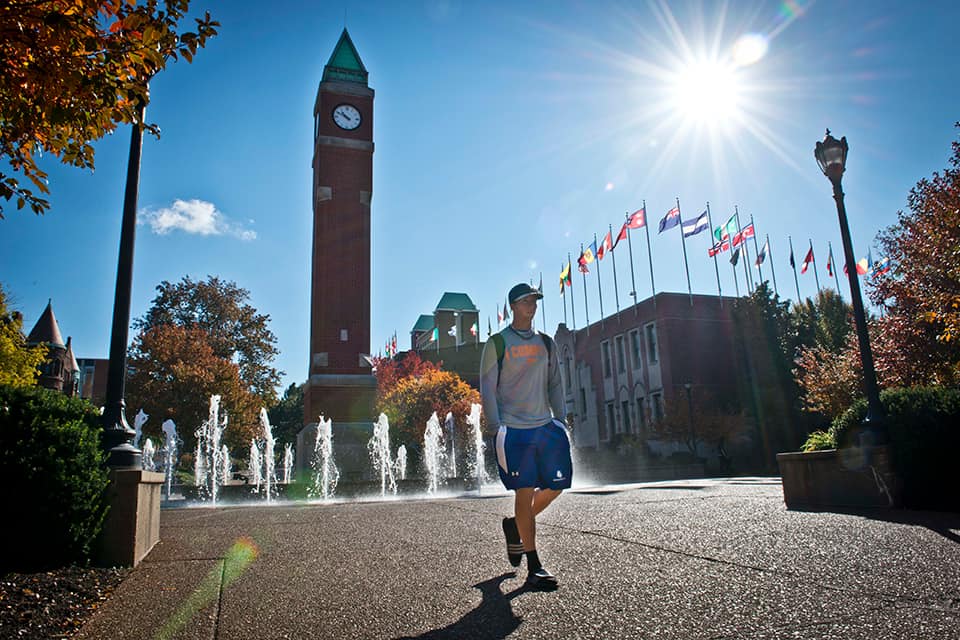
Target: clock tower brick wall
{"points": [[341, 386]]}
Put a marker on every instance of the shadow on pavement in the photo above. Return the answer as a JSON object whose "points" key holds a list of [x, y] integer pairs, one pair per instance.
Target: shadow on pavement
{"points": [[493, 618], [945, 523]]}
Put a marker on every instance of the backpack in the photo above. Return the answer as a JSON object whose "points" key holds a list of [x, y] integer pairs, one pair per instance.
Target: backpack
{"points": [[501, 346]]}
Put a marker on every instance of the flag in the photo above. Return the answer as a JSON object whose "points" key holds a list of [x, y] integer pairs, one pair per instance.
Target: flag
{"points": [[540, 286], [830, 263], [738, 238], [792, 263], [670, 220], [506, 314], [806, 261], [869, 262], [726, 229], [863, 267], [499, 317], [436, 335], [620, 236], [489, 329], [394, 344], [763, 253], [637, 219], [718, 248], [881, 267], [473, 329], [582, 263], [606, 246], [693, 227], [590, 252], [735, 257], [453, 331], [565, 278], [747, 231]]}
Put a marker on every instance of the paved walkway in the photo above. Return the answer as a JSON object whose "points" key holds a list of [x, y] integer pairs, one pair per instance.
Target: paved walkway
{"points": [[683, 559]]}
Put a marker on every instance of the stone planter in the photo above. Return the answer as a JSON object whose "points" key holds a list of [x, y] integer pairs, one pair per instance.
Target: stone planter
{"points": [[856, 477]]}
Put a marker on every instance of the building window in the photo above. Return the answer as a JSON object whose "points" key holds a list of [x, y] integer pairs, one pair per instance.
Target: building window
{"points": [[605, 357], [625, 412], [653, 351], [656, 406], [583, 402], [641, 416], [635, 347], [611, 420], [566, 373], [621, 356]]}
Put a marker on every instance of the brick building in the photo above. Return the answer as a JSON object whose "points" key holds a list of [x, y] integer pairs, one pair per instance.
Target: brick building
{"points": [[60, 370]]}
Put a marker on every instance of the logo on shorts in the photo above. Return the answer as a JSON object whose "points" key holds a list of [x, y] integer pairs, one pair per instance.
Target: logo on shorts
{"points": [[559, 476]]}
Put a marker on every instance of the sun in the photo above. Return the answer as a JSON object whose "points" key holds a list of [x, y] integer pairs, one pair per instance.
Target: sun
{"points": [[707, 93]]}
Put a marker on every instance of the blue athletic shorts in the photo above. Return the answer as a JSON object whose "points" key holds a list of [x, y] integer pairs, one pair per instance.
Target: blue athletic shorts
{"points": [[538, 457]]}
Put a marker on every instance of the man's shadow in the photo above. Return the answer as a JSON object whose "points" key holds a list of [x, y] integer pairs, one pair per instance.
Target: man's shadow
{"points": [[493, 618]]}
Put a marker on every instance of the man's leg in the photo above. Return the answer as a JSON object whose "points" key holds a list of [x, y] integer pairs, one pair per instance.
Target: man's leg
{"points": [[524, 512]]}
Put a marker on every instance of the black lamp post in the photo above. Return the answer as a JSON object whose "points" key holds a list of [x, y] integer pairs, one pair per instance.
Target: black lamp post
{"points": [[831, 155], [117, 434]]}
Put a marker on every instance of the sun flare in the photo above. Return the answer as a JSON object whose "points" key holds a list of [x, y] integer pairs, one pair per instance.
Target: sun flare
{"points": [[707, 92]]}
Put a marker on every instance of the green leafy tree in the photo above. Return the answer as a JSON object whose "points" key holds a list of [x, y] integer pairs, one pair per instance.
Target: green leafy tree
{"points": [[918, 336], [235, 331], [71, 71], [286, 417], [18, 362]]}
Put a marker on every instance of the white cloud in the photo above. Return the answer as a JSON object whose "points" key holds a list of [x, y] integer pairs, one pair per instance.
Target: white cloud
{"points": [[196, 217]]}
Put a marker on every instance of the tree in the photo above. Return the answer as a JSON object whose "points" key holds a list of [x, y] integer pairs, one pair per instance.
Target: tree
{"points": [[173, 371], [391, 371], [234, 329], [918, 337], [72, 70], [286, 417], [411, 402], [709, 423], [18, 362], [825, 321]]}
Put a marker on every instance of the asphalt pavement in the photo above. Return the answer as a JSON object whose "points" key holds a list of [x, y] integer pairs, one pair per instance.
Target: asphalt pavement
{"points": [[719, 558]]}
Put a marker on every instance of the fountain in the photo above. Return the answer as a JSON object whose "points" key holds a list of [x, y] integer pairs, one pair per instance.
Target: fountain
{"points": [[169, 453], [434, 454], [146, 455], [379, 448], [477, 467], [325, 470], [400, 464], [138, 421], [269, 461], [255, 467], [451, 426], [287, 462], [209, 462]]}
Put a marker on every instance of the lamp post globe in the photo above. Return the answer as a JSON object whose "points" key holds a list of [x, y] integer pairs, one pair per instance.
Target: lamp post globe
{"points": [[831, 155]]}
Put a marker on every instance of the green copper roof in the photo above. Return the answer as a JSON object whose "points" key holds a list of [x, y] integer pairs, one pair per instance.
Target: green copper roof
{"points": [[424, 323], [344, 63], [455, 302]]}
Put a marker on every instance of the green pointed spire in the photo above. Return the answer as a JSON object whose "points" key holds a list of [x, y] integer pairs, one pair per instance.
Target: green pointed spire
{"points": [[344, 63]]}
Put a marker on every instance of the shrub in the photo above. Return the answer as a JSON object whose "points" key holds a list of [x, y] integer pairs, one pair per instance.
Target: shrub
{"points": [[51, 468], [923, 424], [819, 440]]}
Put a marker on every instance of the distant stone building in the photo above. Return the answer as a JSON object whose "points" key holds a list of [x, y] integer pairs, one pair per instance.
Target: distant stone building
{"points": [[60, 370], [451, 335]]}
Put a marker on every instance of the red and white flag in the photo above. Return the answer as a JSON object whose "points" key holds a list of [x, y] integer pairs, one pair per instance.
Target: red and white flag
{"points": [[807, 260], [637, 219]]}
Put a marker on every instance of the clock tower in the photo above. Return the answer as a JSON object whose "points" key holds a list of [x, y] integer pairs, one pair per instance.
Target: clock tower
{"points": [[340, 385]]}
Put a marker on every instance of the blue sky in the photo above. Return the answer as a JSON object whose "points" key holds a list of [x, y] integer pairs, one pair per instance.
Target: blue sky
{"points": [[506, 134]]}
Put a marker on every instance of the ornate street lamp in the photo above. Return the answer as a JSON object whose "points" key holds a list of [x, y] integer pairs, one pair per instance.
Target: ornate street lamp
{"points": [[831, 155], [117, 434]]}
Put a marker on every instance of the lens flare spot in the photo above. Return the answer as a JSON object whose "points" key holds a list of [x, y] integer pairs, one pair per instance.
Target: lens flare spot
{"points": [[608, 187], [750, 49]]}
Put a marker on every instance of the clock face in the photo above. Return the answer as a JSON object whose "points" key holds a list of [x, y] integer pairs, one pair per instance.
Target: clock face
{"points": [[346, 116]]}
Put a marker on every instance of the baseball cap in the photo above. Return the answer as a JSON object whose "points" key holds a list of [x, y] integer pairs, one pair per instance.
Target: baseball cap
{"points": [[523, 290]]}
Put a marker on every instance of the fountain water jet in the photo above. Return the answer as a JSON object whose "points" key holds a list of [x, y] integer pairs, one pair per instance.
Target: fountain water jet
{"points": [[434, 454], [209, 461], [138, 422], [287, 462], [379, 448], [326, 474], [477, 467], [147, 453], [169, 453], [269, 461], [400, 464]]}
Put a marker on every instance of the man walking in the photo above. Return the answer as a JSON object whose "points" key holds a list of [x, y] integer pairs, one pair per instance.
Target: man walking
{"points": [[522, 394]]}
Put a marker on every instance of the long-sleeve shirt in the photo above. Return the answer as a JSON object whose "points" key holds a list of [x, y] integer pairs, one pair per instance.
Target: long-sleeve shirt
{"points": [[528, 390]]}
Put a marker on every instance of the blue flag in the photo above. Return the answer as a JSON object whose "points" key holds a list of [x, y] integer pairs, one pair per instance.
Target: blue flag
{"points": [[670, 220], [693, 227]]}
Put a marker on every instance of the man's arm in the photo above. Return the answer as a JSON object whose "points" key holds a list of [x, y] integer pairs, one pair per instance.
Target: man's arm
{"points": [[489, 375]]}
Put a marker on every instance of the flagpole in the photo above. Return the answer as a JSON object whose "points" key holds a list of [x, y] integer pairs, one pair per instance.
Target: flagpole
{"points": [[586, 307], [633, 280], [746, 254], [616, 290], [563, 295], [599, 289], [683, 243], [573, 311], [736, 285], [646, 226], [716, 267], [793, 263], [833, 264], [756, 247], [816, 276], [773, 271], [543, 307]]}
